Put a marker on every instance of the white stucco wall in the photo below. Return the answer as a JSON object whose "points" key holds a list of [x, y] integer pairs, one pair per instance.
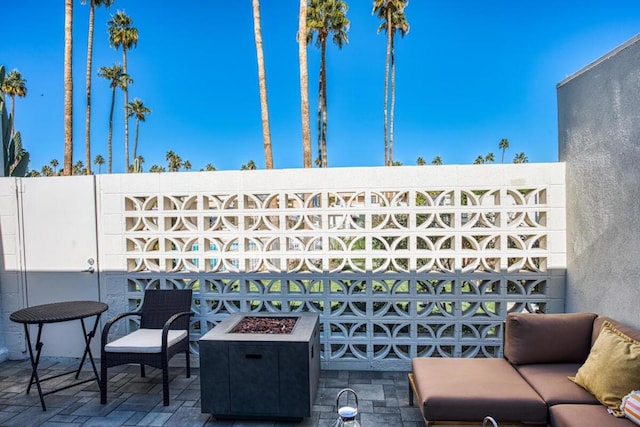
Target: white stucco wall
{"points": [[11, 283]]}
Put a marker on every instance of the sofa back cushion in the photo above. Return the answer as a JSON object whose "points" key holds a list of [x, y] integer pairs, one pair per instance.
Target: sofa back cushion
{"points": [[625, 329], [548, 338]]}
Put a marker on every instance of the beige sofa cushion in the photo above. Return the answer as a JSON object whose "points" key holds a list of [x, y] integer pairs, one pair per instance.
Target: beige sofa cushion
{"points": [[460, 389], [548, 338]]}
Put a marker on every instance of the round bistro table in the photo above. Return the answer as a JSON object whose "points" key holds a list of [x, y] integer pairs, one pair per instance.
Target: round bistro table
{"points": [[55, 313]]}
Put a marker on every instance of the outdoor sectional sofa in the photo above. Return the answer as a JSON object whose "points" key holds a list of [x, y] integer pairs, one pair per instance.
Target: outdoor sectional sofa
{"points": [[531, 385]]}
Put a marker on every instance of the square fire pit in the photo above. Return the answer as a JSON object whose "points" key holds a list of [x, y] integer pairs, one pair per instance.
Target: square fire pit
{"points": [[260, 375]]}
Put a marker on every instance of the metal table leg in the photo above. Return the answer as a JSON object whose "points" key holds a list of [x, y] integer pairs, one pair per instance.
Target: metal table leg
{"points": [[87, 349], [35, 361]]}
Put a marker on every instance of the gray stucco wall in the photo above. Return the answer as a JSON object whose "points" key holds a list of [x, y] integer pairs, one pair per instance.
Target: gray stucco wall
{"points": [[599, 139]]}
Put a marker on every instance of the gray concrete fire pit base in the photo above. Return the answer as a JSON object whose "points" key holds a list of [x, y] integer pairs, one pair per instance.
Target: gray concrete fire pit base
{"points": [[260, 375]]}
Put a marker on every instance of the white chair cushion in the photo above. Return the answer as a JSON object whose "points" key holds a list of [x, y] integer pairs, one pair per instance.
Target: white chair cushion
{"points": [[144, 341]]}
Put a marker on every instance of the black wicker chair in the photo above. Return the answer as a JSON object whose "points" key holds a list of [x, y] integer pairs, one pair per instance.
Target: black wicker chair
{"points": [[164, 332]]}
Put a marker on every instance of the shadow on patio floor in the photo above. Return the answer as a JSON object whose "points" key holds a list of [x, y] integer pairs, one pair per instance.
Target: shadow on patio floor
{"points": [[135, 401]]}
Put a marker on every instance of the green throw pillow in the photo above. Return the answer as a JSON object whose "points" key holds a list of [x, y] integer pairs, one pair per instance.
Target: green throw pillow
{"points": [[612, 369]]}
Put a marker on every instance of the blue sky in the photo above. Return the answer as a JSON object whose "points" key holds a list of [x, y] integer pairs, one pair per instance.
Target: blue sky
{"points": [[468, 74]]}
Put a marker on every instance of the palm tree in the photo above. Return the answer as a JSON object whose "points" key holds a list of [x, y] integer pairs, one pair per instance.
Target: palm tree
{"points": [[520, 158], [479, 160], [54, 163], [47, 171], [437, 160], [420, 161], [400, 24], [68, 88], [174, 162], [116, 79], [156, 169], [262, 81], [251, 165], [383, 10], [121, 33], [304, 84], [490, 158], [78, 168], [393, 19], [325, 17], [209, 167], [14, 85], [138, 110], [92, 6], [99, 161], [187, 165], [504, 144]]}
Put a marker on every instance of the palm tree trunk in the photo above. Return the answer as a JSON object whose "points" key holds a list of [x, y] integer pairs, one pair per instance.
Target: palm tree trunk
{"points": [[320, 161], [13, 115], [68, 88], [135, 144], [325, 162], [89, 60], [264, 105], [386, 87], [126, 115], [304, 84], [109, 145], [393, 97]]}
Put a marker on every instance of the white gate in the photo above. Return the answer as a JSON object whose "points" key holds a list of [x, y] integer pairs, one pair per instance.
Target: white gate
{"points": [[59, 240]]}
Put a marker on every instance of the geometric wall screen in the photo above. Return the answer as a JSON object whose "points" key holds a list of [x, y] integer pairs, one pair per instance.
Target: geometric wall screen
{"points": [[392, 273]]}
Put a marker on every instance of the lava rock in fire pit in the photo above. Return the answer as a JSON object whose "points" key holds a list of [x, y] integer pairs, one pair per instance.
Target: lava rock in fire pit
{"points": [[265, 325]]}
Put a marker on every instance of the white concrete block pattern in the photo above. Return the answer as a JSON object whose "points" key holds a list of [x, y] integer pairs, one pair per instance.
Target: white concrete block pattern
{"points": [[399, 262]]}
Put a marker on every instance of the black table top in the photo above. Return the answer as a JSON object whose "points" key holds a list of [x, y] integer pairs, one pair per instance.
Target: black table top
{"points": [[58, 312]]}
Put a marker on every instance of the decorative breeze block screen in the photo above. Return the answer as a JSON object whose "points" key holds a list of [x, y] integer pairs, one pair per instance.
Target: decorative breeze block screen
{"points": [[393, 274]]}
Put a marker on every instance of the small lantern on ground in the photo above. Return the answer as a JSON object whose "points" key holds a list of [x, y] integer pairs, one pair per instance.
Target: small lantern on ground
{"points": [[347, 414]]}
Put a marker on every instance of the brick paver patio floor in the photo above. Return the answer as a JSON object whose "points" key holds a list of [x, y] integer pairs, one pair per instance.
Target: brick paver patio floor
{"points": [[135, 401]]}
